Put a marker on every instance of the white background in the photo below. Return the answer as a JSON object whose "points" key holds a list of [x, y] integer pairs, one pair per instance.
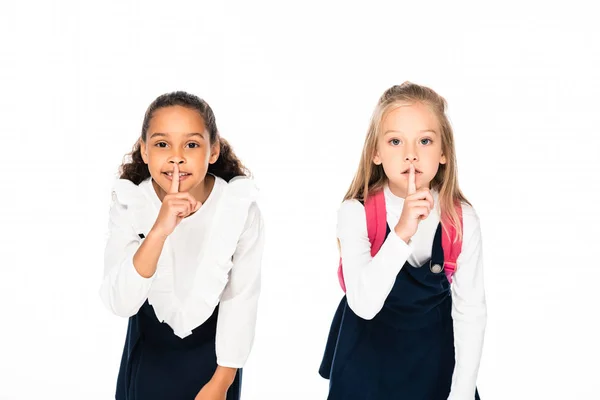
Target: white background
{"points": [[293, 86]]}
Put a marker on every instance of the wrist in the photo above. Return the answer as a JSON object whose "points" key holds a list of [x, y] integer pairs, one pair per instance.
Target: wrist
{"points": [[157, 234], [402, 235]]}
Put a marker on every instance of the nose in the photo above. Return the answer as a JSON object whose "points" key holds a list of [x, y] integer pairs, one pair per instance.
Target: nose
{"points": [[410, 155], [176, 158]]}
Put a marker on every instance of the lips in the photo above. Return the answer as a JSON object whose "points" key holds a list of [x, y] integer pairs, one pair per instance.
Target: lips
{"points": [[416, 171], [180, 174]]}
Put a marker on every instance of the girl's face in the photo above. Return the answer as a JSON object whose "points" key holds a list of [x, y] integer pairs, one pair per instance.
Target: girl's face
{"points": [[177, 135], [410, 134]]}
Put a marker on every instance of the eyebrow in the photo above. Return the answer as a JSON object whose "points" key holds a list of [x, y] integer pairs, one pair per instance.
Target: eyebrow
{"points": [[422, 131], [160, 134]]}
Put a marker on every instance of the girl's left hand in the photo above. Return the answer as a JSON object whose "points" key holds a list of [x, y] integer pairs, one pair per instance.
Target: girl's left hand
{"points": [[212, 391]]}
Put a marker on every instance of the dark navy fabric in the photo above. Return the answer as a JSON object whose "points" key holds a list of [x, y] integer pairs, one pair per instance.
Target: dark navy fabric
{"points": [[157, 365], [407, 350]]}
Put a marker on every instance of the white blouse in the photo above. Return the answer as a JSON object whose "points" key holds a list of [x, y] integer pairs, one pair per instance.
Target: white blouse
{"points": [[212, 258], [369, 280]]}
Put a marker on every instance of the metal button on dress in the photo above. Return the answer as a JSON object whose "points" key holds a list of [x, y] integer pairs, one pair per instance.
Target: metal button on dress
{"points": [[436, 268]]}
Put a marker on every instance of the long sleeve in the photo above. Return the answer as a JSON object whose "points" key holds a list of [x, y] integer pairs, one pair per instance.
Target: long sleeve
{"points": [[469, 310], [368, 280], [239, 301], [123, 289]]}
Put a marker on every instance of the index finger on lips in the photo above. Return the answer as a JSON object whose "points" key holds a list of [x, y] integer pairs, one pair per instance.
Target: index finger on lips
{"points": [[175, 180]]}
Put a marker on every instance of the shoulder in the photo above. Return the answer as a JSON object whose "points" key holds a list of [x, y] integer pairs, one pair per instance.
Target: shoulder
{"points": [[238, 200], [238, 219], [126, 193], [240, 187], [351, 218], [351, 208], [132, 205], [471, 222]]}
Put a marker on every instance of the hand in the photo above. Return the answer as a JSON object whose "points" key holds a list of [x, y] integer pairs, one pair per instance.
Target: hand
{"points": [[175, 207], [417, 206], [213, 390]]}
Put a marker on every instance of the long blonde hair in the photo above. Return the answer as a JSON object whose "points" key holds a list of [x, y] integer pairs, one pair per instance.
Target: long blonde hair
{"points": [[371, 178]]}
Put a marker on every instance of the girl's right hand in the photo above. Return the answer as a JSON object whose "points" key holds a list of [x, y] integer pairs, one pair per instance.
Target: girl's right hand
{"points": [[175, 207], [417, 206]]}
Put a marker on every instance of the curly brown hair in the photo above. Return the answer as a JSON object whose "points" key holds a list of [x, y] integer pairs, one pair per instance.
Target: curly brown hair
{"points": [[227, 166]]}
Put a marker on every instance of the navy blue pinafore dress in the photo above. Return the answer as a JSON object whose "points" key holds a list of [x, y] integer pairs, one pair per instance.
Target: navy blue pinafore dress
{"points": [[157, 365], [407, 350]]}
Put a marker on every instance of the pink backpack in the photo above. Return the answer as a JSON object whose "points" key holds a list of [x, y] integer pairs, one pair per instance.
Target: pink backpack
{"points": [[377, 227]]}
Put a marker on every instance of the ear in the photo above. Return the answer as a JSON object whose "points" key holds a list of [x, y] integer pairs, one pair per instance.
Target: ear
{"points": [[443, 159], [215, 151], [144, 151], [377, 158]]}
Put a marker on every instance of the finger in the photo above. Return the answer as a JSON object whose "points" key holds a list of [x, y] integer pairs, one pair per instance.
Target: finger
{"points": [[421, 194], [184, 213], [420, 203], [188, 197], [412, 184], [189, 208], [175, 180], [422, 212], [192, 207], [429, 198], [178, 202], [180, 207], [179, 211]]}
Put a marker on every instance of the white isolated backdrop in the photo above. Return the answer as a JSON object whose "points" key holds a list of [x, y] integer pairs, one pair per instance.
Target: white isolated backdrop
{"points": [[293, 86]]}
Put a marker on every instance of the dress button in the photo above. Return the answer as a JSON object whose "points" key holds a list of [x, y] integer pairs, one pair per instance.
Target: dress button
{"points": [[436, 268]]}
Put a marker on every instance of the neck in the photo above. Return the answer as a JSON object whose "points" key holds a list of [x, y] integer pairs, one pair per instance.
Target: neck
{"points": [[400, 191], [202, 191], [397, 190]]}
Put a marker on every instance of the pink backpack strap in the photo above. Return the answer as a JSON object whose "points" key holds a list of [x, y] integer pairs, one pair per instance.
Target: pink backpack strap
{"points": [[341, 276], [451, 249], [376, 227], [376, 220]]}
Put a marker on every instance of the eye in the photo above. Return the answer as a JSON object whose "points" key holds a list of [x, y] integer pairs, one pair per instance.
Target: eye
{"points": [[395, 142], [193, 145], [426, 141], [161, 144]]}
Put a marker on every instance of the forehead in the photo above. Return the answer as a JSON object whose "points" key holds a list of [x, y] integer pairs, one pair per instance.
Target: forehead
{"points": [[410, 118], [176, 119]]}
